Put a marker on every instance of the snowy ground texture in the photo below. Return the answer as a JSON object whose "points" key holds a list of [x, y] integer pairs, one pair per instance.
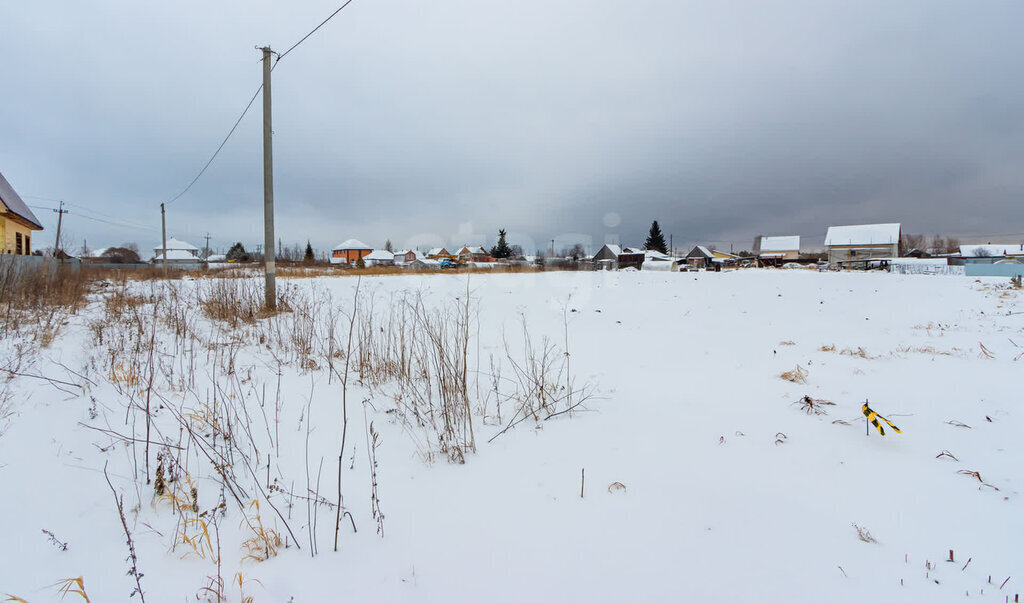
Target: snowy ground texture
{"points": [[730, 491]]}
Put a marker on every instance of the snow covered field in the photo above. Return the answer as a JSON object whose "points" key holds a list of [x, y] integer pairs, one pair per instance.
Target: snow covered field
{"points": [[703, 478]]}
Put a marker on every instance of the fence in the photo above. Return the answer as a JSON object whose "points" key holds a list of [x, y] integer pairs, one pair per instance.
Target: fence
{"points": [[17, 263], [925, 267]]}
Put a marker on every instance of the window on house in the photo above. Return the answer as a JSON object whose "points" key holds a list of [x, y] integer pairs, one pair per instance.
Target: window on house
{"points": [[28, 244], [17, 243]]}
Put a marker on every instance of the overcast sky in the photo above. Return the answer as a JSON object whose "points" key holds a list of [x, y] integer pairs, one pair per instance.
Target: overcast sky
{"points": [[440, 122]]}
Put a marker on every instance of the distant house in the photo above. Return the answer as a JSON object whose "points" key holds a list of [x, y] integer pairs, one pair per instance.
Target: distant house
{"points": [[350, 252], [178, 253], [438, 253], [700, 257], [776, 250], [612, 257], [379, 257], [474, 254], [16, 222], [721, 257], [862, 242], [404, 257]]}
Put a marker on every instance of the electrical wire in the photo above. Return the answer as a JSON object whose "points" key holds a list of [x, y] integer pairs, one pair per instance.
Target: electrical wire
{"points": [[82, 215], [217, 152], [313, 31], [251, 101]]}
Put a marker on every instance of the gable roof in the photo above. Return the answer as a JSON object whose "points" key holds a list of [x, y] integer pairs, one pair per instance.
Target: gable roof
{"points": [[700, 251], [14, 204], [614, 249], [173, 244], [352, 244], [788, 243], [380, 254], [438, 251], [863, 234]]}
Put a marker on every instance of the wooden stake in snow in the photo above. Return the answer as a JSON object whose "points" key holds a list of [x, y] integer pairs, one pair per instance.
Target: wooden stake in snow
{"points": [[582, 476]]}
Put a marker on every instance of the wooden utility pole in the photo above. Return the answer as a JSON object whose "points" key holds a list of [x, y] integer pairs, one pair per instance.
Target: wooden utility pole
{"points": [[207, 252], [60, 217], [268, 186], [163, 232]]}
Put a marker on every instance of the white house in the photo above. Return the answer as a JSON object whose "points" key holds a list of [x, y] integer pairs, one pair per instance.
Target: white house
{"points": [[178, 252], [379, 257], [848, 244]]}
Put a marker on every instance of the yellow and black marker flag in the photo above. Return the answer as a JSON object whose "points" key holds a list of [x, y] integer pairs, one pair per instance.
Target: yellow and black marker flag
{"points": [[874, 417]]}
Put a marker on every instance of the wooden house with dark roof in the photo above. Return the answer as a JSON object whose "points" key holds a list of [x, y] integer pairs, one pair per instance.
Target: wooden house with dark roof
{"points": [[17, 222]]}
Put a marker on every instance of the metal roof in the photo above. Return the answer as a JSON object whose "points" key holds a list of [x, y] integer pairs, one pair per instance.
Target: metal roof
{"points": [[863, 234], [14, 204]]}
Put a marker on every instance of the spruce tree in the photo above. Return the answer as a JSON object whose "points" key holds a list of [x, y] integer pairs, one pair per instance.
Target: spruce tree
{"points": [[308, 257], [501, 250], [656, 240], [237, 253]]}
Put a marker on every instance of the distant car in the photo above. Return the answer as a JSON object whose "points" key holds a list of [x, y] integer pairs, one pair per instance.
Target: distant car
{"points": [[792, 265], [745, 264]]}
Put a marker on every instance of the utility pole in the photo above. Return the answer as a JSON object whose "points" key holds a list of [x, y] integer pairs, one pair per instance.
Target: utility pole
{"points": [[207, 251], [60, 215], [268, 186], [163, 231], [671, 247]]}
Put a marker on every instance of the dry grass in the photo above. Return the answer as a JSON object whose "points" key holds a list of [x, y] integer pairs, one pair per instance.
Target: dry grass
{"points": [[40, 298], [263, 543], [828, 348], [813, 406], [797, 375], [863, 534], [858, 353]]}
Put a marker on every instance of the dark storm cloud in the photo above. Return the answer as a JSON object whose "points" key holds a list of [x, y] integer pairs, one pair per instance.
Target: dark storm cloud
{"points": [[424, 122]]}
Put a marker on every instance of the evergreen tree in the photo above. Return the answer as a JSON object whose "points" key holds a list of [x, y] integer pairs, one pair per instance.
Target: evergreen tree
{"points": [[237, 253], [656, 240], [360, 263], [308, 257], [501, 250]]}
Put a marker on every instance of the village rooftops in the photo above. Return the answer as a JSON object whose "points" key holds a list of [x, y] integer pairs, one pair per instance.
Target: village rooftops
{"points": [[989, 250], [863, 234], [352, 244]]}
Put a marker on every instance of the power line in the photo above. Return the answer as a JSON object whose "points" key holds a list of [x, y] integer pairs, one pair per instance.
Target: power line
{"points": [[224, 142], [313, 31], [251, 101], [82, 215]]}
